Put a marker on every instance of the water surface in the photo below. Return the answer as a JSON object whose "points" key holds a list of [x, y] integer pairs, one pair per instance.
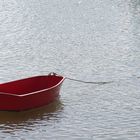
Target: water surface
{"points": [[90, 40]]}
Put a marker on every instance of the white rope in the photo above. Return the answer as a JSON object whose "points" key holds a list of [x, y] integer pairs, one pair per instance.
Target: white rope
{"points": [[88, 82]]}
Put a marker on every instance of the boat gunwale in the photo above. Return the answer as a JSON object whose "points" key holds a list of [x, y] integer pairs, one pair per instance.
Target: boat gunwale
{"points": [[35, 92]]}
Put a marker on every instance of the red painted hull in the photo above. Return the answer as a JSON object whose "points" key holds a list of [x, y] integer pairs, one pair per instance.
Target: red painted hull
{"points": [[30, 93]]}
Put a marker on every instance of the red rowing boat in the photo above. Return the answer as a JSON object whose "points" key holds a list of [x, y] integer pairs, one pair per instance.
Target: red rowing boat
{"points": [[30, 92]]}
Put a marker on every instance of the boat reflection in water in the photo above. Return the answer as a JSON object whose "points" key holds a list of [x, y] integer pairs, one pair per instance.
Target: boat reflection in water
{"points": [[49, 112]]}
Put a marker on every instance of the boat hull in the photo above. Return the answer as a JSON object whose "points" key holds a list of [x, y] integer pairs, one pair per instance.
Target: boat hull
{"points": [[30, 93]]}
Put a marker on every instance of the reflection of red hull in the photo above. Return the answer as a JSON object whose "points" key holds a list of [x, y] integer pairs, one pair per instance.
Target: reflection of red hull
{"points": [[30, 92]]}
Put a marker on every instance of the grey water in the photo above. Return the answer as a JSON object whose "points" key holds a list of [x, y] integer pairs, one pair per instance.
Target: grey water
{"points": [[90, 40]]}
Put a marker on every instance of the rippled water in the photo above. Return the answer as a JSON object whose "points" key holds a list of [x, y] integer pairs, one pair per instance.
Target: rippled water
{"points": [[91, 40]]}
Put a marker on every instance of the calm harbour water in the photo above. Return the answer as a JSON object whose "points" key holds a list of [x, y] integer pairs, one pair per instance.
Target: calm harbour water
{"points": [[91, 40]]}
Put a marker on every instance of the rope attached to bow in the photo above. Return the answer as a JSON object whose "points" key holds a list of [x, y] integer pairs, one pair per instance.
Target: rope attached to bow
{"points": [[88, 82]]}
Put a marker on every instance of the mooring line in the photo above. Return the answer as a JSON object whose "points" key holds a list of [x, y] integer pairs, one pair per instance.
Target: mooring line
{"points": [[88, 82]]}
